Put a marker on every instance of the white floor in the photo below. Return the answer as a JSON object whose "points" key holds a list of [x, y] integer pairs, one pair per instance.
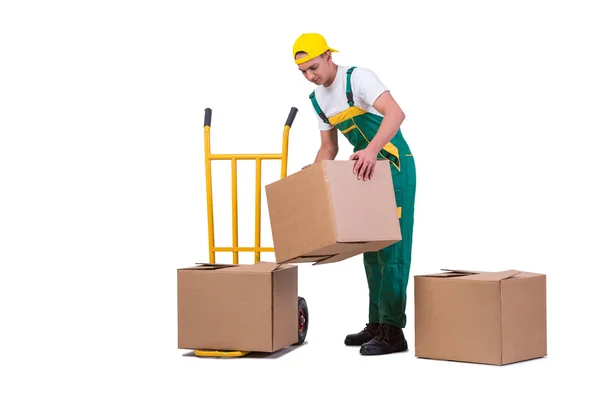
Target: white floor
{"points": [[119, 340]]}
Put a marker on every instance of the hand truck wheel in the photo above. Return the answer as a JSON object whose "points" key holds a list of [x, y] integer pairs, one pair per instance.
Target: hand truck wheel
{"points": [[302, 320]]}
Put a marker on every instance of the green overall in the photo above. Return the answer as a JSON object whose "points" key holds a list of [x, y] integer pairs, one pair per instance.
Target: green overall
{"points": [[388, 269]]}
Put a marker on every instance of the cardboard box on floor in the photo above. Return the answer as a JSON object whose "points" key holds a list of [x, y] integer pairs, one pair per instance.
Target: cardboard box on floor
{"points": [[324, 214], [481, 317], [237, 307]]}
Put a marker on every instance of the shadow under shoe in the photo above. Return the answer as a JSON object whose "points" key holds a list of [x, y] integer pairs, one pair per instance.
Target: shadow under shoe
{"points": [[389, 339], [362, 337]]}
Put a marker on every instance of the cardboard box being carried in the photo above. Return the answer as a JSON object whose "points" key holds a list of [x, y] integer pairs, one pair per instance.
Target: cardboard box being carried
{"points": [[324, 214], [237, 307], [481, 317]]}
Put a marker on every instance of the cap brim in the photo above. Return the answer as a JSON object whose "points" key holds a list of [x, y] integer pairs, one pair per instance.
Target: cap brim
{"points": [[308, 58]]}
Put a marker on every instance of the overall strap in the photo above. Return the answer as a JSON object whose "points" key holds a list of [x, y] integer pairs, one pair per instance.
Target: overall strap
{"points": [[317, 108], [349, 95]]}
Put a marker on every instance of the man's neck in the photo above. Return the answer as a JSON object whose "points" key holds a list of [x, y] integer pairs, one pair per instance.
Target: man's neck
{"points": [[335, 70]]}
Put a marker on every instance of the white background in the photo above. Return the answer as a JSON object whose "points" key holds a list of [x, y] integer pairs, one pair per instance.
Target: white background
{"points": [[103, 196]]}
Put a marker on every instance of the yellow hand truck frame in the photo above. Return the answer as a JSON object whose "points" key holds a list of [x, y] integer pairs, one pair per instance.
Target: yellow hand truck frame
{"points": [[235, 248]]}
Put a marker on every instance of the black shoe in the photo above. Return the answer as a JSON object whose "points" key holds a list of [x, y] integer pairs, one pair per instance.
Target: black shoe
{"points": [[357, 339], [389, 339]]}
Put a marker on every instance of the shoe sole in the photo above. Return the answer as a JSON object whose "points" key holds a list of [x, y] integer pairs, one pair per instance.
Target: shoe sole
{"points": [[383, 352]]}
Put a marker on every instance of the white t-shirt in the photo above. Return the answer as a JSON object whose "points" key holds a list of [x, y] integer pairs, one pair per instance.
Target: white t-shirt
{"points": [[366, 88]]}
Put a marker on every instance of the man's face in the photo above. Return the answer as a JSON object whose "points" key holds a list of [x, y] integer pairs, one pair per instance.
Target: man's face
{"points": [[315, 70]]}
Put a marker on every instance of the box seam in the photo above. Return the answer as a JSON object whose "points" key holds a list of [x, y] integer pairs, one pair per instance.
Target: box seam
{"points": [[330, 200], [272, 310], [501, 325]]}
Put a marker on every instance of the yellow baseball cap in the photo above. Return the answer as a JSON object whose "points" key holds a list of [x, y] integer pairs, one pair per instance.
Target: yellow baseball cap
{"points": [[313, 44]]}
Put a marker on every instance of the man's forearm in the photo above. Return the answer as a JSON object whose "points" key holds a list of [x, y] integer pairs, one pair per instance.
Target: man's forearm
{"points": [[325, 153], [388, 128]]}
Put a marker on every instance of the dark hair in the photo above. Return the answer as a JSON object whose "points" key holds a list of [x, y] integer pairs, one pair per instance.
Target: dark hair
{"points": [[303, 52]]}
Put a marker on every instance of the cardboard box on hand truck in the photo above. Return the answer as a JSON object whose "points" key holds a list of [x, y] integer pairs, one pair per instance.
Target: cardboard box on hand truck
{"points": [[324, 213], [237, 307], [481, 317]]}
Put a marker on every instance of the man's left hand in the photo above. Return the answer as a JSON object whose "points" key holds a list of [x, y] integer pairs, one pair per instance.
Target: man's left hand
{"points": [[365, 163]]}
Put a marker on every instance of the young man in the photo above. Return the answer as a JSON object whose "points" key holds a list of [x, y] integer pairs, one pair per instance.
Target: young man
{"points": [[355, 102]]}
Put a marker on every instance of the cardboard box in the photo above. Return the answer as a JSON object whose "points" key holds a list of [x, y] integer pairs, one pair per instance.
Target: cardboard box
{"points": [[481, 317], [237, 307], [324, 214]]}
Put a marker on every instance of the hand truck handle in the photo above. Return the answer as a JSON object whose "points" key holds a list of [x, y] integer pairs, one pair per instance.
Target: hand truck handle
{"points": [[291, 116], [207, 116]]}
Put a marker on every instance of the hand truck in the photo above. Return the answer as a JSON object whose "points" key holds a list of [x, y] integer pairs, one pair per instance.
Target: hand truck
{"points": [[235, 248]]}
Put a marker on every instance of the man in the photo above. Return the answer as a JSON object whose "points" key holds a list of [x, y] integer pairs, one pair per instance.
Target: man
{"points": [[355, 102]]}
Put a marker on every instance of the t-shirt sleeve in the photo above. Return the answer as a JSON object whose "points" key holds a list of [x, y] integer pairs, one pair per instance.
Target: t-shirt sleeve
{"points": [[367, 85]]}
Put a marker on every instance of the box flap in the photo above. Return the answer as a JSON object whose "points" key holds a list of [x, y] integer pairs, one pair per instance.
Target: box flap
{"points": [[261, 266], [264, 266], [449, 273], [359, 249], [491, 276], [328, 259], [464, 271], [473, 275], [441, 275], [211, 266], [307, 259]]}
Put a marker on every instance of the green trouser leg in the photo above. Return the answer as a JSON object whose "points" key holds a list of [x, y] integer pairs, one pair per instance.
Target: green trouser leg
{"points": [[371, 262], [388, 269]]}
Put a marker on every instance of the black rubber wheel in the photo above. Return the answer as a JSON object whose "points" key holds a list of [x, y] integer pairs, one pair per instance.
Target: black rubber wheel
{"points": [[302, 320]]}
